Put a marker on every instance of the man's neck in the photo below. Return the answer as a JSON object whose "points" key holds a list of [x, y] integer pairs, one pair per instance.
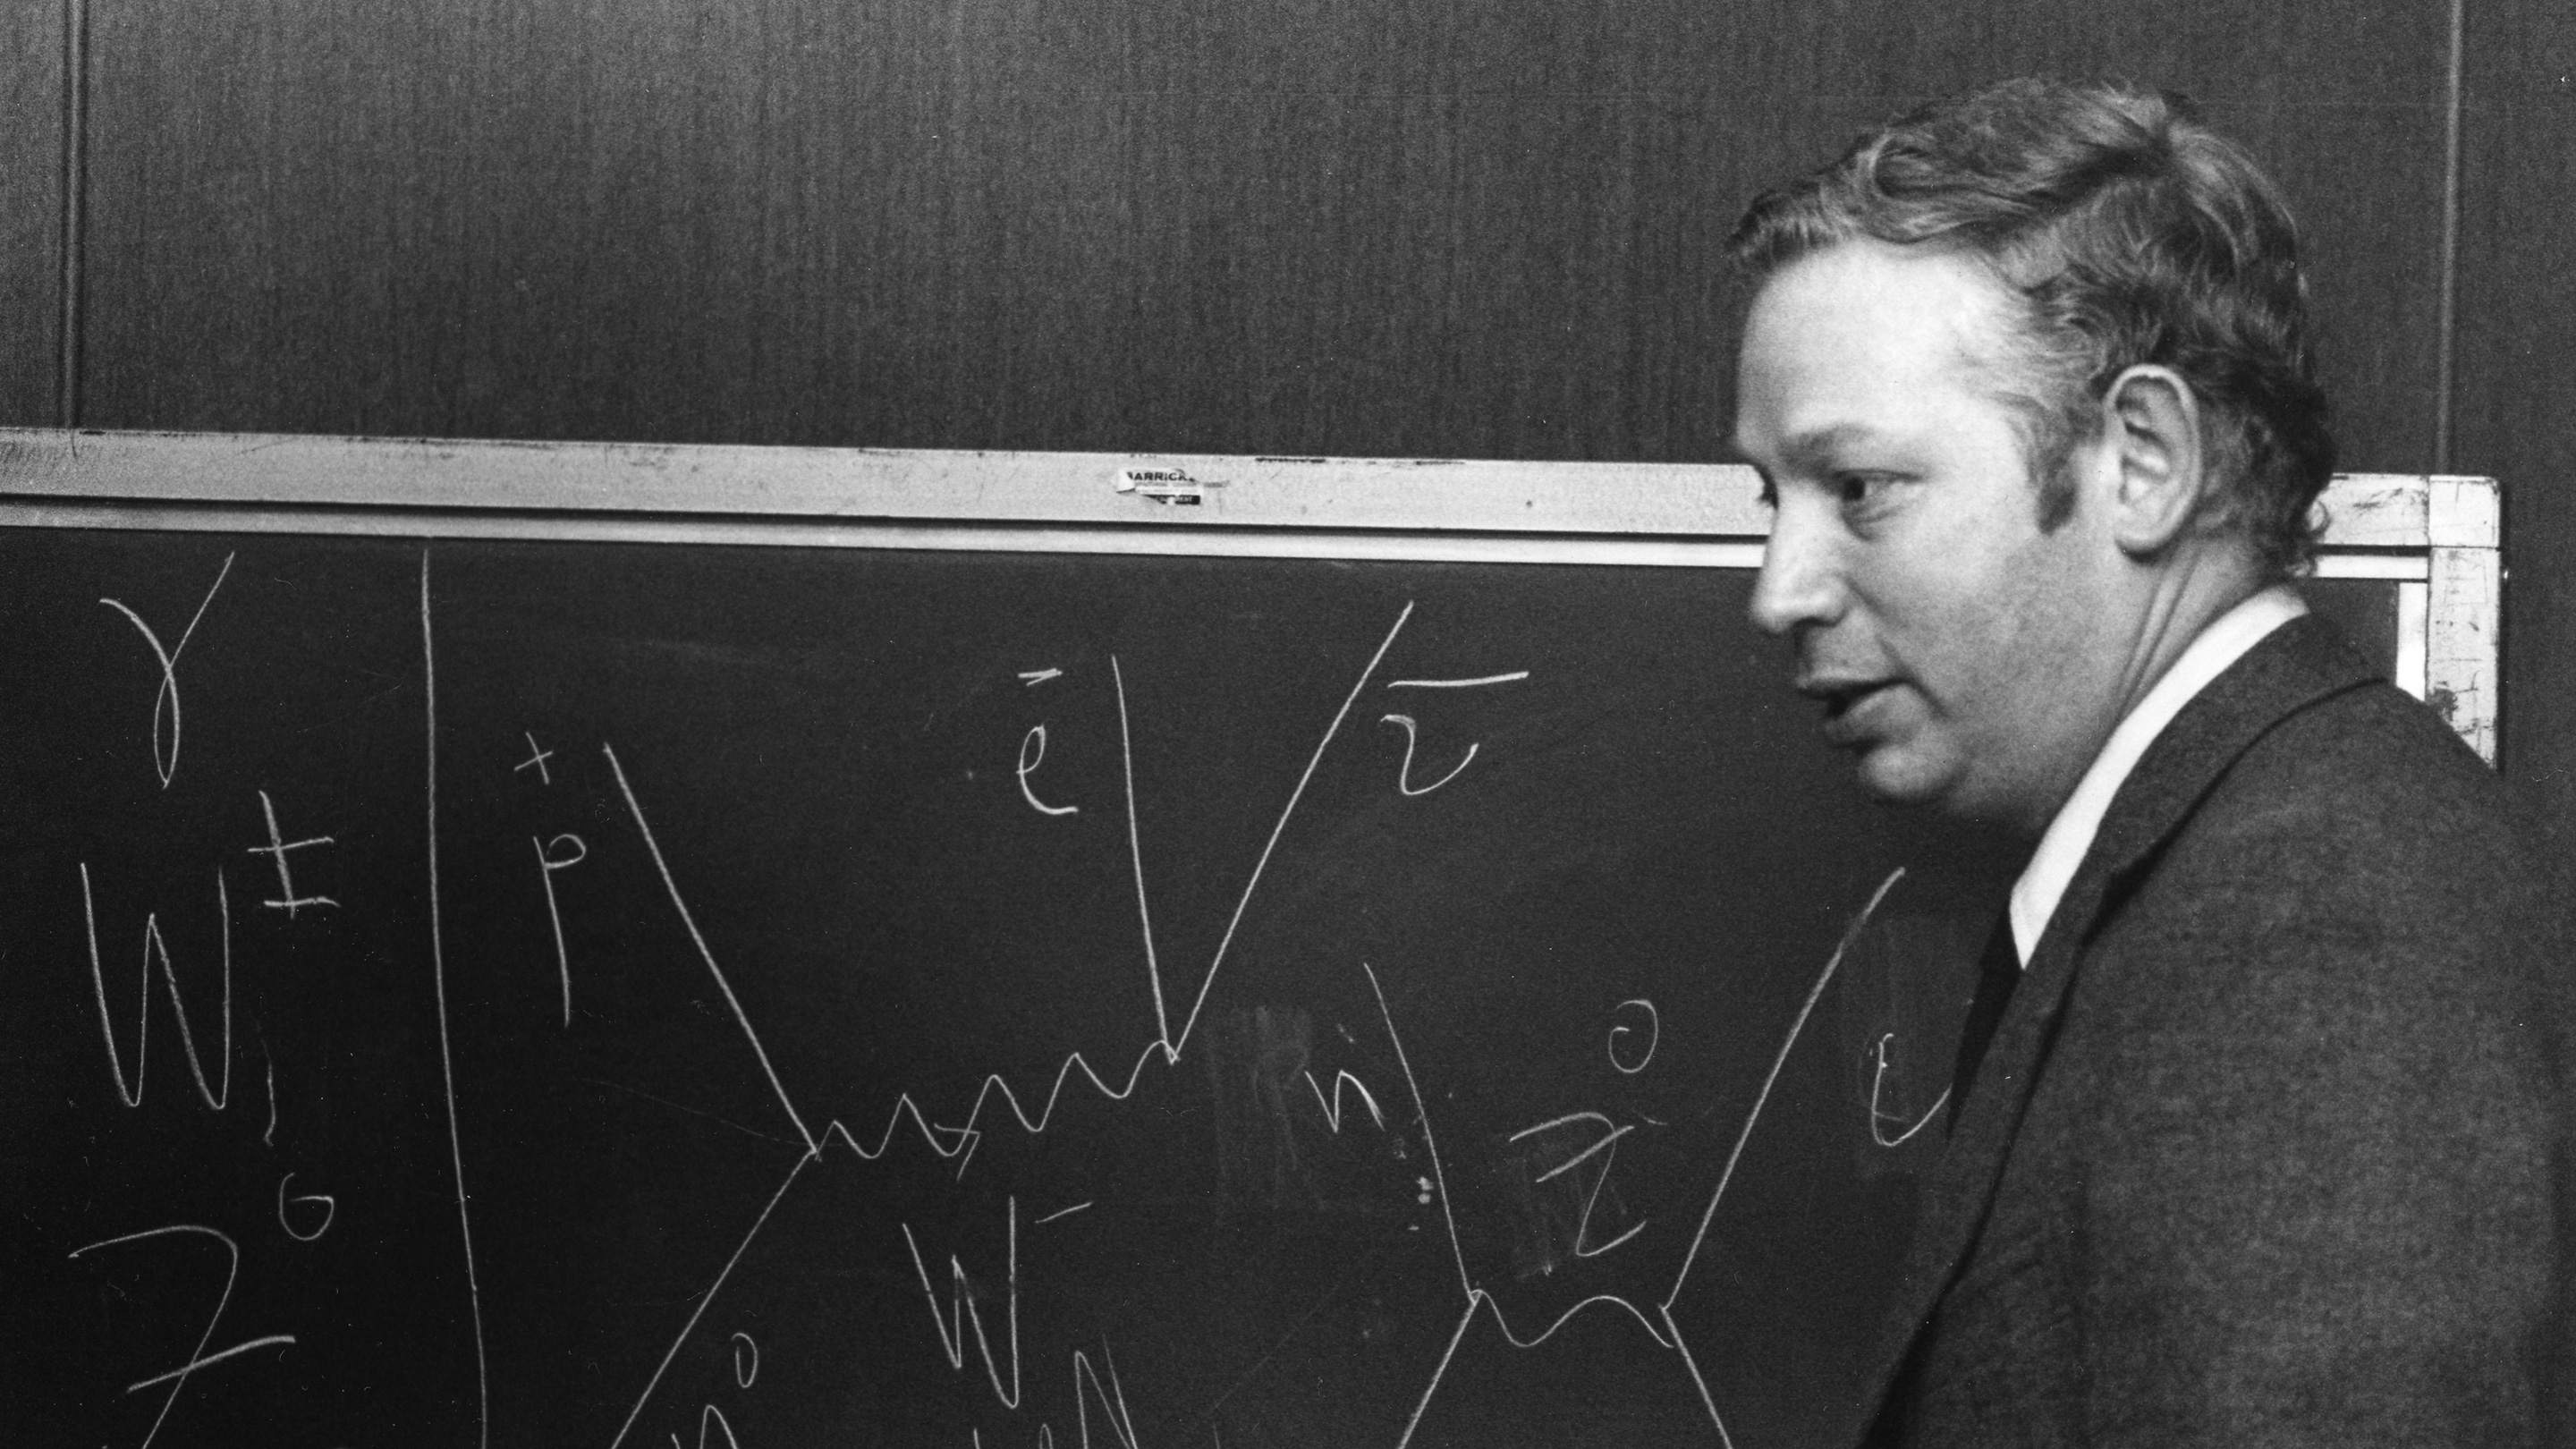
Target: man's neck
{"points": [[2196, 588], [2062, 846], [2170, 604]]}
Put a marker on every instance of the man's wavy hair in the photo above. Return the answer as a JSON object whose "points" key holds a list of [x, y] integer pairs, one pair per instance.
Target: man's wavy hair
{"points": [[2128, 233]]}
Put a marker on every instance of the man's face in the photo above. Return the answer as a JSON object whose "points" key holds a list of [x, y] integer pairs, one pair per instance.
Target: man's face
{"points": [[1959, 651]]}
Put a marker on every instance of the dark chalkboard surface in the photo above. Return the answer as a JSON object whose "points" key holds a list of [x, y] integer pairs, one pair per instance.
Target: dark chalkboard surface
{"points": [[535, 991], [938, 998]]}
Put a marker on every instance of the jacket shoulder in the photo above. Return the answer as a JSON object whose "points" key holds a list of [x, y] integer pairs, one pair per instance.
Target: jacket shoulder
{"points": [[2362, 806], [2300, 1117]]}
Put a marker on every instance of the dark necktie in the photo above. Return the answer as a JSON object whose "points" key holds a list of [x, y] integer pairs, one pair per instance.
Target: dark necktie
{"points": [[1998, 972]]}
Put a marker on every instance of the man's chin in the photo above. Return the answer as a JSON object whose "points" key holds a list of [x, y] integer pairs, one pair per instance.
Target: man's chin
{"points": [[1893, 776], [1941, 801]]}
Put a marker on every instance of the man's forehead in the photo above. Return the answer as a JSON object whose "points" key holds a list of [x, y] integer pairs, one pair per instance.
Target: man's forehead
{"points": [[1842, 345]]}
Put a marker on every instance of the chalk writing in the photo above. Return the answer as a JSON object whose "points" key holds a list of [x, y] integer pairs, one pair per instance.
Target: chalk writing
{"points": [[1574, 1152], [330, 1210], [1606, 1146], [537, 757], [1088, 1390], [547, 865], [1136, 857], [217, 1093], [165, 700], [928, 969], [708, 1297], [277, 847], [963, 1313], [1404, 772], [1113, 1400], [734, 1003], [198, 1358], [1477, 1298], [958, 1141], [710, 1417], [1172, 1044], [1333, 1108], [1032, 754], [1654, 1036], [438, 982], [1478, 682], [1735, 1155], [1880, 1119], [1660, 1326]]}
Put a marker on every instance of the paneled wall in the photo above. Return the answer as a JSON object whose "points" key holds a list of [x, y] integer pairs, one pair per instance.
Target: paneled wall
{"points": [[1450, 227], [32, 97], [2515, 401]]}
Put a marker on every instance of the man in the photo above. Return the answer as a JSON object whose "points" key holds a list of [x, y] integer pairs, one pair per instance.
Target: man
{"points": [[2256, 1128]]}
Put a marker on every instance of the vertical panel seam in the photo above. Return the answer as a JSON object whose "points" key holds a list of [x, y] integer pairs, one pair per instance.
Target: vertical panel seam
{"points": [[2446, 321], [75, 186]]}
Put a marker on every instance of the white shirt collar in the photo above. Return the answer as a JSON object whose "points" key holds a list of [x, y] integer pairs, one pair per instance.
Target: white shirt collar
{"points": [[2052, 867]]}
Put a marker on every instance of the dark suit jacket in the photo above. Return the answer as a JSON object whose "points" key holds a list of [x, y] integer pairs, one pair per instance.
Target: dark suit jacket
{"points": [[2267, 1145]]}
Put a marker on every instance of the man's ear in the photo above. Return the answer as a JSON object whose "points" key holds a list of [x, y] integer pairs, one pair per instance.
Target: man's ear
{"points": [[2155, 436]]}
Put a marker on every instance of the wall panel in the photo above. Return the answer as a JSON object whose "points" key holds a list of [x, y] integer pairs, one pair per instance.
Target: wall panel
{"points": [[2516, 402], [1413, 226], [31, 200]]}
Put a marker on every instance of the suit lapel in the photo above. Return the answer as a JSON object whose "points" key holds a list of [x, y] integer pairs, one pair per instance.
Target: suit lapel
{"points": [[2302, 662]]}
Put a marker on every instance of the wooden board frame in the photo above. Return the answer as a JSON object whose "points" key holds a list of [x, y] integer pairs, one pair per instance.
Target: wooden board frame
{"points": [[2438, 537]]}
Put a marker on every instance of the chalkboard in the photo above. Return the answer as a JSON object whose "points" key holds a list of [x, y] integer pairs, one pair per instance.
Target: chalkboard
{"points": [[541, 991]]}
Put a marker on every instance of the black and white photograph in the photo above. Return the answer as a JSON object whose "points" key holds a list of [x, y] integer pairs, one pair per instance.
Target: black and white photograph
{"points": [[1288, 724]]}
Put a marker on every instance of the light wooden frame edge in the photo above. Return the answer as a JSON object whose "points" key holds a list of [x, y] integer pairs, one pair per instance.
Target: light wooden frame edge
{"points": [[2438, 536]]}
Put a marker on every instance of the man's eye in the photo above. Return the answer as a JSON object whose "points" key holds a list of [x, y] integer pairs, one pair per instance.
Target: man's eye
{"points": [[1861, 491]]}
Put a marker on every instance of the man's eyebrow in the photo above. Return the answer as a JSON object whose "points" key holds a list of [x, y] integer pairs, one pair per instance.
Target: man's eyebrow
{"points": [[1811, 449]]}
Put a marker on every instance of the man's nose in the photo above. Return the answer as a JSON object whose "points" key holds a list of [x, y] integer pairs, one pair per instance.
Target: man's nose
{"points": [[1798, 583]]}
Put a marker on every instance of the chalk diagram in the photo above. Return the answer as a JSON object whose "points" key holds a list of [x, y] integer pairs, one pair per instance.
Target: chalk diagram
{"points": [[971, 1337], [975, 1316]]}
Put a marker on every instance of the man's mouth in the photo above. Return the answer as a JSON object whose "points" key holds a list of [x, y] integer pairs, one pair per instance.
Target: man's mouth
{"points": [[1841, 698]]}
